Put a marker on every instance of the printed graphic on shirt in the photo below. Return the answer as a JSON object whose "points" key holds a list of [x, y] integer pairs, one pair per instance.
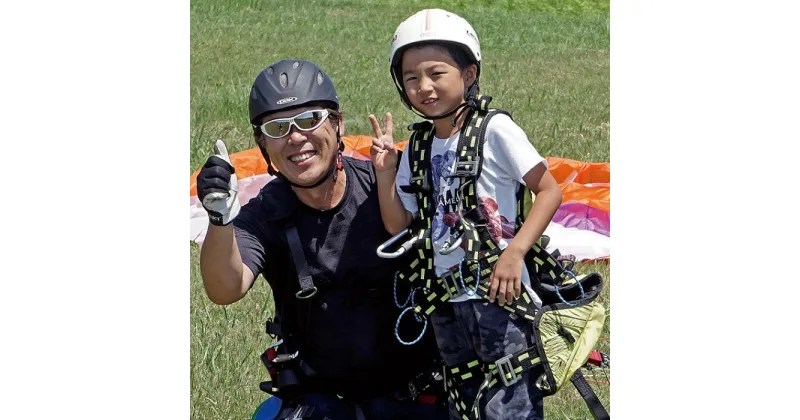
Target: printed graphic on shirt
{"points": [[446, 219], [497, 224]]}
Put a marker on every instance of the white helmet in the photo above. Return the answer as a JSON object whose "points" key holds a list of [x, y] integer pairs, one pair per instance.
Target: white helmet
{"points": [[432, 25]]}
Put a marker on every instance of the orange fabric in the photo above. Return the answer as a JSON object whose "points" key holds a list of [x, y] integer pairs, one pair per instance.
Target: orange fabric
{"points": [[597, 197], [250, 162], [587, 173]]}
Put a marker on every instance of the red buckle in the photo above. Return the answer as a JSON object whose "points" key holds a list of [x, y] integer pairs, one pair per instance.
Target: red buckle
{"points": [[595, 358], [427, 399], [271, 354]]}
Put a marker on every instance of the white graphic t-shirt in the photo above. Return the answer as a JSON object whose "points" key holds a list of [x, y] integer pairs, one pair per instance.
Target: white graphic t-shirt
{"points": [[507, 157]]}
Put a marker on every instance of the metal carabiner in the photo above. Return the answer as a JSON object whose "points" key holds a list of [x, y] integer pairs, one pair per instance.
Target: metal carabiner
{"points": [[448, 248], [405, 247], [282, 358]]}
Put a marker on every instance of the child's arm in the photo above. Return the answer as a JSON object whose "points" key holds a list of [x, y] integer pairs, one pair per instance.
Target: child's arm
{"points": [[384, 159], [506, 280]]}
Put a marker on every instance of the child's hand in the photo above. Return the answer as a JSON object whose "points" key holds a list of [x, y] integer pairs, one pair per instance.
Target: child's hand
{"points": [[383, 151], [506, 280]]}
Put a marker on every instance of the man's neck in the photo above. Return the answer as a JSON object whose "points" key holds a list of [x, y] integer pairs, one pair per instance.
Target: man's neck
{"points": [[326, 195]]}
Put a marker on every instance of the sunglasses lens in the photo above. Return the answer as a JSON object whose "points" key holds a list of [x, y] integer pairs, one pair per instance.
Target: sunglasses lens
{"points": [[309, 120], [276, 128]]}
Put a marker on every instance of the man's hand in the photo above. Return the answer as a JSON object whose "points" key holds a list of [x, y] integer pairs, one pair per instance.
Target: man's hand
{"points": [[218, 187], [383, 151]]}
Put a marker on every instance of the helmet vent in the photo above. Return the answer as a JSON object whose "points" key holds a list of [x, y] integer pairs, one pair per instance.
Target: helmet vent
{"points": [[270, 71], [320, 78], [284, 80], [294, 66]]}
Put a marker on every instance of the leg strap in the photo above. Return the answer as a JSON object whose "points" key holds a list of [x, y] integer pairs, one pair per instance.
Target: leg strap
{"points": [[595, 406], [507, 370]]}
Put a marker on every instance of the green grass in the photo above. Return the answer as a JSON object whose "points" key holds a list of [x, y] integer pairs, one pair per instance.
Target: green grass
{"points": [[545, 61]]}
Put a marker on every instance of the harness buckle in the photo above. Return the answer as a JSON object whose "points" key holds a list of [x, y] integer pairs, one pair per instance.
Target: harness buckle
{"points": [[463, 168], [306, 293], [450, 281], [419, 182], [506, 370]]}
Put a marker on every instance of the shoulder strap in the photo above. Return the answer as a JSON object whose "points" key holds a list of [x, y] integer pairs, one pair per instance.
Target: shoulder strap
{"points": [[307, 288], [468, 167], [421, 185]]}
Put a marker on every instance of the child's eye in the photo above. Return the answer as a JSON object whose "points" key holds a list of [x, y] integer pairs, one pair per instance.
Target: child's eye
{"points": [[410, 79]]}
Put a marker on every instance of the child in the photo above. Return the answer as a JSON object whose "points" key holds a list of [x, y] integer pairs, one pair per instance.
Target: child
{"points": [[435, 62]]}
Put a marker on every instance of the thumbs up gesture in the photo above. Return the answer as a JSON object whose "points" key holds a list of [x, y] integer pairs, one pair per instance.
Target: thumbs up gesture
{"points": [[218, 187]]}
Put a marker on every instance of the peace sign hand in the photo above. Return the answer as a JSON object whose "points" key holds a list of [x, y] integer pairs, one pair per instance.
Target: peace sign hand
{"points": [[383, 151]]}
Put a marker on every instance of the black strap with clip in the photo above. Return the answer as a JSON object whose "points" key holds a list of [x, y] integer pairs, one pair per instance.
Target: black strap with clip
{"points": [[307, 288]]}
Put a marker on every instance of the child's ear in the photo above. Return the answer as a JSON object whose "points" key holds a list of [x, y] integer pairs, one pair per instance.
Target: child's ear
{"points": [[469, 75]]}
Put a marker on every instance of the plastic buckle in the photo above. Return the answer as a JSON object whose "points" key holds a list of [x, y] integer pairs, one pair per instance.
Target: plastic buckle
{"points": [[463, 168], [450, 282], [419, 181], [505, 369]]}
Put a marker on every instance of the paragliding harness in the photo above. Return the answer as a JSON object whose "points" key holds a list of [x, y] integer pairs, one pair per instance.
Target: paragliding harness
{"points": [[287, 368], [568, 324]]}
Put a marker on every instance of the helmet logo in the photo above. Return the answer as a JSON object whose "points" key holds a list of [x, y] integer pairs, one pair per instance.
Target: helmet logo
{"points": [[286, 100]]}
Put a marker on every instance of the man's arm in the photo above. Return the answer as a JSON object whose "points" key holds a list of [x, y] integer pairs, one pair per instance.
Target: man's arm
{"points": [[225, 277]]}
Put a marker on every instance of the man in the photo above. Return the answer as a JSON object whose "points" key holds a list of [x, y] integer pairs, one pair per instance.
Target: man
{"points": [[313, 234]]}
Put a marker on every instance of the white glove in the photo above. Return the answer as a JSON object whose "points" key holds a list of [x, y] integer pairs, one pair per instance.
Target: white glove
{"points": [[218, 187]]}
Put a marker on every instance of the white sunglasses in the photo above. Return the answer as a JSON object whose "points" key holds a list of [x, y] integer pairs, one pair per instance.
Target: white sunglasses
{"points": [[304, 121]]}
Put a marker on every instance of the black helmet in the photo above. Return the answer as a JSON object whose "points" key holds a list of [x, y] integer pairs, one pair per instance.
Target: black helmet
{"points": [[289, 84]]}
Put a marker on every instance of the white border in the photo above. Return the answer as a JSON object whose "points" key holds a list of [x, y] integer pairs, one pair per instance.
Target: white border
{"points": [[704, 139], [94, 263]]}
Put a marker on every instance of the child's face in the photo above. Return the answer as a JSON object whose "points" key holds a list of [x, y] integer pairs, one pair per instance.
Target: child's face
{"points": [[432, 80]]}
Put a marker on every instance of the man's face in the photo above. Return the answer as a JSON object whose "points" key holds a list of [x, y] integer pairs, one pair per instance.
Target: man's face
{"points": [[303, 156]]}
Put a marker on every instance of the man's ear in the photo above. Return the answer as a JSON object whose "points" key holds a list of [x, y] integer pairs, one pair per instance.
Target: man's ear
{"points": [[341, 123]]}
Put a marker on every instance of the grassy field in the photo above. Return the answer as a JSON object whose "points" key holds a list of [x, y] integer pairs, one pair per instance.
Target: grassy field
{"points": [[545, 61]]}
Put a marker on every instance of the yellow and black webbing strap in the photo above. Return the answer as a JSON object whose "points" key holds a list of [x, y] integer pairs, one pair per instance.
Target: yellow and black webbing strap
{"points": [[468, 164], [506, 373], [449, 285], [420, 271], [510, 367], [547, 264], [521, 191], [454, 376]]}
